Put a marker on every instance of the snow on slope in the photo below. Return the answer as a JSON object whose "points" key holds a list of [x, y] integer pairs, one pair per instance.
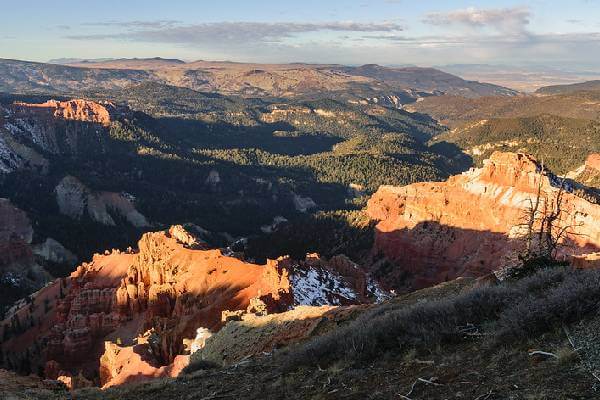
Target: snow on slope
{"points": [[338, 282], [318, 287]]}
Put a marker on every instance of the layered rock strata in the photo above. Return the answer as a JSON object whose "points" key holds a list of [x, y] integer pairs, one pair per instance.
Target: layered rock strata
{"points": [[474, 223]]}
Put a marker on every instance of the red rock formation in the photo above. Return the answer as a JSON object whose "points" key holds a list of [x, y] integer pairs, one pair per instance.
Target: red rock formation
{"points": [[120, 365], [468, 226], [147, 305], [166, 289], [74, 110]]}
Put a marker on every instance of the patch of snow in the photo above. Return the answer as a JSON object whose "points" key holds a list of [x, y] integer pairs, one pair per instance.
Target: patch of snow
{"points": [[375, 291], [12, 279], [128, 196], [318, 287], [6, 157], [213, 179], [36, 134], [14, 130]]}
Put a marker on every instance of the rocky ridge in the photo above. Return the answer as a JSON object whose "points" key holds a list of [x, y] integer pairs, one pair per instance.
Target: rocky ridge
{"points": [[472, 224], [72, 110], [140, 311], [30, 134]]}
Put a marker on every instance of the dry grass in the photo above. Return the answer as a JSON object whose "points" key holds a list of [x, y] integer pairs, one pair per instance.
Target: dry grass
{"points": [[501, 315]]}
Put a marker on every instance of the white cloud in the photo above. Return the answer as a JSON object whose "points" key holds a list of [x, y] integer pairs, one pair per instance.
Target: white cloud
{"points": [[156, 24], [503, 20], [229, 33], [483, 36]]}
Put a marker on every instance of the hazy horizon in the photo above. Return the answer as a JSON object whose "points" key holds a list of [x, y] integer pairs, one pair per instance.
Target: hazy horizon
{"points": [[388, 32]]}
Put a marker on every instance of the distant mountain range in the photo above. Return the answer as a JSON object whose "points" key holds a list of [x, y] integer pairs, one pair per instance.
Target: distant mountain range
{"points": [[248, 80], [67, 61]]}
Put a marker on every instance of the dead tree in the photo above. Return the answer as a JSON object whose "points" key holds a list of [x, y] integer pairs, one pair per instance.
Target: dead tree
{"points": [[545, 223]]}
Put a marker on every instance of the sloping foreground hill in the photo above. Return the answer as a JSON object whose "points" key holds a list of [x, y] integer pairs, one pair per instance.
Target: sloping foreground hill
{"points": [[460, 339]]}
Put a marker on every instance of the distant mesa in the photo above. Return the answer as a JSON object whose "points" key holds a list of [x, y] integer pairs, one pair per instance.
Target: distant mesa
{"points": [[241, 79]]}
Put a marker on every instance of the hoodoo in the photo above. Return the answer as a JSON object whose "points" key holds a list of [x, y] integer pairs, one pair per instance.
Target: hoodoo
{"points": [[152, 303]]}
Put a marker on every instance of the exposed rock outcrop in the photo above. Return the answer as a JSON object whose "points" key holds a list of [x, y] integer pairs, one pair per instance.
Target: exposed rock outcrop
{"points": [[74, 199], [73, 110], [55, 128], [593, 162], [303, 204], [188, 237], [166, 289], [120, 365], [54, 252], [145, 310], [470, 225], [31, 133], [258, 334]]}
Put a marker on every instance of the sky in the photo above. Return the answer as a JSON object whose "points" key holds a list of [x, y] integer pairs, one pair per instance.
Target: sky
{"points": [[561, 34]]}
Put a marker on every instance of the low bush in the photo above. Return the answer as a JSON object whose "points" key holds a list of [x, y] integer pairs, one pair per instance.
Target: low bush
{"points": [[513, 310], [568, 301]]}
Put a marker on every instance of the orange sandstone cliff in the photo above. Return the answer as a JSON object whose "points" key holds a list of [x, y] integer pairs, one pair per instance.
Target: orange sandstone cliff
{"points": [[129, 316], [164, 293], [74, 110], [471, 225]]}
